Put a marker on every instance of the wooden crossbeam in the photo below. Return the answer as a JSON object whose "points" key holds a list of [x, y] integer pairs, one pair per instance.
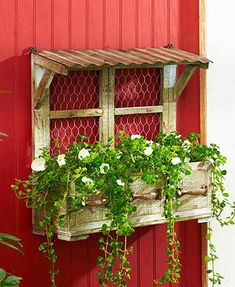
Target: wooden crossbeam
{"points": [[40, 90], [183, 80], [82, 113], [138, 110]]}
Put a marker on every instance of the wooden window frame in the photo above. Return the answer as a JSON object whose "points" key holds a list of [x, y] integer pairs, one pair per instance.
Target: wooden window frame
{"points": [[170, 91]]}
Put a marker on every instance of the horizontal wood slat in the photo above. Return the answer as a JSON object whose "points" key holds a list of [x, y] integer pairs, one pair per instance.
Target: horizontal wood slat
{"points": [[138, 110], [82, 113]]}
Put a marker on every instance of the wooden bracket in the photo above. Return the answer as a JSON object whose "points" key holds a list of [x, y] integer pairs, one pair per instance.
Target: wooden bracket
{"points": [[40, 90], [183, 80]]}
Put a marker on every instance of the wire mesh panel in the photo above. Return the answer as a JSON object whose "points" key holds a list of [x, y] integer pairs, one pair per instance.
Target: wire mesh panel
{"points": [[146, 125], [77, 90], [137, 88]]}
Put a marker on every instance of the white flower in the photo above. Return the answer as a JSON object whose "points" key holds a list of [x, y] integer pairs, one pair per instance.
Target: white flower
{"points": [[148, 150], [150, 142], [83, 153], [133, 137], [187, 142], [104, 168], [83, 203], [186, 145], [87, 180], [38, 164], [120, 182], [179, 192], [187, 160], [61, 159], [175, 160]]}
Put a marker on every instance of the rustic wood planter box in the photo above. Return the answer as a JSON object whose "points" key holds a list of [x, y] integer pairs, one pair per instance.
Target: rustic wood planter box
{"points": [[195, 203]]}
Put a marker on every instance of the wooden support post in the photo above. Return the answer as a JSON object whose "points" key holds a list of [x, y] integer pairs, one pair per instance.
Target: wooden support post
{"points": [[40, 117], [183, 80], [106, 101], [111, 98], [168, 79]]}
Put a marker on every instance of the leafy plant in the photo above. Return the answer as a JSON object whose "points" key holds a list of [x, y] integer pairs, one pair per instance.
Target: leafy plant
{"points": [[13, 242], [8, 280], [105, 172]]}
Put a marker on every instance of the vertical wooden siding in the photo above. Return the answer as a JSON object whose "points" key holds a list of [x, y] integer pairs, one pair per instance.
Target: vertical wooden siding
{"points": [[87, 24]]}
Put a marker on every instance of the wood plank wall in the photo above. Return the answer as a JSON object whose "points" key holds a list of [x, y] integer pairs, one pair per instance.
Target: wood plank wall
{"points": [[87, 24]]}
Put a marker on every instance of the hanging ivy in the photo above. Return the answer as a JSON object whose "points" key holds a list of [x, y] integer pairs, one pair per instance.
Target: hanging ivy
{"points": [[103, 171]]}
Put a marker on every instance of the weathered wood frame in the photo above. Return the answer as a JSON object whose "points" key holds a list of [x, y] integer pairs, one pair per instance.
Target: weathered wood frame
{"points": [[43, 72]]}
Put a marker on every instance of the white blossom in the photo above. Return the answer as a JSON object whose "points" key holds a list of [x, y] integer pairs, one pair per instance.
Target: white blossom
{"points": [[187, 160], [104, 168], [150, 142], [61, 159], [175, 160], [179, 192], [187, 142], [87, 180], [120, 182], [83, 153], [83, 203], [38, 164], [133, 137], [148, 150], [186, 145]]}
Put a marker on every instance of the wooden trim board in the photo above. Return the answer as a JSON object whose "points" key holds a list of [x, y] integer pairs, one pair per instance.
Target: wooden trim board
{"points": [[202, 52]]}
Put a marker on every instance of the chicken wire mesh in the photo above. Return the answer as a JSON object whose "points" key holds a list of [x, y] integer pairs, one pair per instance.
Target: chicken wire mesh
{"points": [[77, 90], [80, 90], [136, 88], [146, 125]]}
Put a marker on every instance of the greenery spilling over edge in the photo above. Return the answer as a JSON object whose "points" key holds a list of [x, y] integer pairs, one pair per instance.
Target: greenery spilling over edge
{"points": [[101, 170]]}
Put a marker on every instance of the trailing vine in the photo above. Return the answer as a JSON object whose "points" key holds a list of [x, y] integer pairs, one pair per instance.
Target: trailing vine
{"points": [[65, 182]]}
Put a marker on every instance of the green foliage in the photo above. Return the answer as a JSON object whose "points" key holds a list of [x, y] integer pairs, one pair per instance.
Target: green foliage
{"points": [[11, 241], [8, 280], [99, 169]]}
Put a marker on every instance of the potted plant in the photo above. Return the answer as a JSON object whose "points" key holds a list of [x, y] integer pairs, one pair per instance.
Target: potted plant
{"points": [[98, 174]]}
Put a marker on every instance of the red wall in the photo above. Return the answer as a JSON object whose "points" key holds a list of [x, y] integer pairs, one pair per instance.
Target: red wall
{"points": [[87, 24]]}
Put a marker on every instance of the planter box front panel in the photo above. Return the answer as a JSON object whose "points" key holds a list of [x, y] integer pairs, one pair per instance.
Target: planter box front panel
{"points": [[195, 203]]}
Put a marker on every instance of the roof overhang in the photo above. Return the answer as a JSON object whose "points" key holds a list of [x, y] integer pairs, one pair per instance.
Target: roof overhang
{"points": [[61, 61]]}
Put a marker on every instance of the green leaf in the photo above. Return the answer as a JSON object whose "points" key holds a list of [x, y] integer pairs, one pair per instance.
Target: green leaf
{"points": [[13, 280], [11, 246], [2, 274], [223, 172], [207, 258]]}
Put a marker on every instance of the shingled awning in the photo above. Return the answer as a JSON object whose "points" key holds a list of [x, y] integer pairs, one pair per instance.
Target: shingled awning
{"points": [[62, 60]]}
